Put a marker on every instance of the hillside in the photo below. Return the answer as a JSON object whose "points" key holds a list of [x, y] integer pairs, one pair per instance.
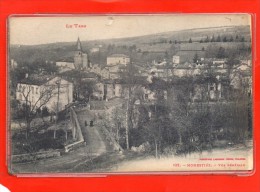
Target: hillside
{"points": [[138, 47]]}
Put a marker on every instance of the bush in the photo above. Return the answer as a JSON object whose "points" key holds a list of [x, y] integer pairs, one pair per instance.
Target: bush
{"points": [[137, 137], [37, 142]]}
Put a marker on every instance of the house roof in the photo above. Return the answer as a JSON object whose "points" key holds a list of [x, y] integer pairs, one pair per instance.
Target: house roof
{"points": [[67, 59], [164, 67], [137, 80], [36, 79], [97, 105], [89, 75], [246, 73], [74, 73], [102, 105], [116, 65], [184, 66], [241, 65], [96, 65], [113, 102], [118, 55], [189, 55], [218, 60]]}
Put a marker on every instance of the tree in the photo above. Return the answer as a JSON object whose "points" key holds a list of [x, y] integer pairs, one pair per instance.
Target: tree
{"points": [[218, 39], [195, 58], [158, 129], [114, 124], [237, 37], [16, 75], [202, 132], [45, 111], [46, 67], [29, 107], [190, 41], [237, 115], [166, 55], [38, 66], [221, 53], [224, 39], [14, 106], [213, 39], [118, 120], [179, 105], [83, 89], [131, 83], [231, 61], [132, 48], [206, 40], [154, 133], [87, 89], [231, 39]]}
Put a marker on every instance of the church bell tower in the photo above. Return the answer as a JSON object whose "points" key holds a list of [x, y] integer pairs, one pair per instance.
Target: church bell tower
{"points": [[80, 58]]}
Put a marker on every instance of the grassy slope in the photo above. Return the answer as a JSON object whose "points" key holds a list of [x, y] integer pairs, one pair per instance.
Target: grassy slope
{"points": [[64, 50]]}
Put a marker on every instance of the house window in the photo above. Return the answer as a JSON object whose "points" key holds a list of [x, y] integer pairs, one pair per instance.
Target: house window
{"points": [[20, 97], [146, 96], [32, 90], [36, 90]]}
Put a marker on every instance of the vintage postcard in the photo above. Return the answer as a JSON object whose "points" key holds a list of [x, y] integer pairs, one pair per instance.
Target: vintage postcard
{"points": [[130, 93]]}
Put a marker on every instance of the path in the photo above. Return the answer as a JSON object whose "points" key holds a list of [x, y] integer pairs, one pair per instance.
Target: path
{"points": [[95, 146]]}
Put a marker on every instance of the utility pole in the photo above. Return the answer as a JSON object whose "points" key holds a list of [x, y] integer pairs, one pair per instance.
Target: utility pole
{"points": [[127, 121], [57, 109]]}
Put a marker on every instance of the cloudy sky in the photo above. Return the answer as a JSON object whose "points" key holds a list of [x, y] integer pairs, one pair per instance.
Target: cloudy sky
{"points": [[41, 30]]}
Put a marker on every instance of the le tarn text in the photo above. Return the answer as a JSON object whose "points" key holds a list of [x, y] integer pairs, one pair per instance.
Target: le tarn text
{"points": [[70, 26]]}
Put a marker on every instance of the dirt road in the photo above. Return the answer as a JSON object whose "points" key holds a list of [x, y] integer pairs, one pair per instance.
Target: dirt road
{"points": [[95, 146]]}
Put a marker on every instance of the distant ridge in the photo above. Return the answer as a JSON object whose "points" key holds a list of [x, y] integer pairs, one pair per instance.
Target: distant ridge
{"points": [[158, 43], [144, 36]]}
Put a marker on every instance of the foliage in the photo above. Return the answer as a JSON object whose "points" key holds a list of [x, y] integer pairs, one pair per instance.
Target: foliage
{"points": [[45, 111], [195, 58], [29, 108], [187, 126], [87, 89], [36, 142], [221, 53]]}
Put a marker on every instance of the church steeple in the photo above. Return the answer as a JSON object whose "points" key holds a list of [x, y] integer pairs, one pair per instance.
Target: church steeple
{"points": [[80, 58], [79, 48]]}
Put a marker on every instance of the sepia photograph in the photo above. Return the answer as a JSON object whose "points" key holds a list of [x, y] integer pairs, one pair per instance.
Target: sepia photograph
{"points": [[151, 93]]}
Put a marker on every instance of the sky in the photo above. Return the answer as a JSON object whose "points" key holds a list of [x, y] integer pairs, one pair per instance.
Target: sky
{"points": [[50, 29]]}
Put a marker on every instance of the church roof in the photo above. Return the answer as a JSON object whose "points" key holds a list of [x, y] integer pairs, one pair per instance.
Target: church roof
{"points": [[79, 47]]}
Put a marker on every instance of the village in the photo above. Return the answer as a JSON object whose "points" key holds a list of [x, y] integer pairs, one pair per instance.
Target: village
{"points": [[154, 107]]}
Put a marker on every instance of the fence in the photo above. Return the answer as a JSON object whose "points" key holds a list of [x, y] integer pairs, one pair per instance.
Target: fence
{"points": [[76, 132], [34, 156]]}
